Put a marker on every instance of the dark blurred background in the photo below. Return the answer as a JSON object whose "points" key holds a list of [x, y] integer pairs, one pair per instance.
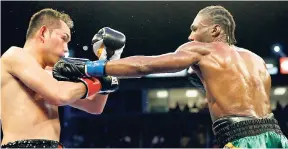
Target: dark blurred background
{"points": [[163, 110]]}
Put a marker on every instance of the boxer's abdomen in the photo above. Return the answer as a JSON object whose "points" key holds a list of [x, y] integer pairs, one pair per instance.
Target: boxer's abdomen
{"points": [[25, 115]]}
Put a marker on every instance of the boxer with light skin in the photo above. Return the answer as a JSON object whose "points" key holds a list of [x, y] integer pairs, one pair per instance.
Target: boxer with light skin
{"points": [[31, 96], [236, 80]]}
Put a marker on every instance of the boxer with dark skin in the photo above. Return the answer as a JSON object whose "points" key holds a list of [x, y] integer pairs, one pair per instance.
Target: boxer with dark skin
{"points": [[236, 80], [245, 81], [30, 96]]}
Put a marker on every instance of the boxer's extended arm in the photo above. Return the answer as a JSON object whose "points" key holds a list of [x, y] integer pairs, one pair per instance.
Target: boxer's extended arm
{"points": [[137, 66], [93, 104], [27, 70]]}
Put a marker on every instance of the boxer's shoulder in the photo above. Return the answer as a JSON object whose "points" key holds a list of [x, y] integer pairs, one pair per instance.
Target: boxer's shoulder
{"points": [[198, 44], [13, 49], [5, 63], [247, 53], [6, 57], [198, 47], [15, 56], [12, 52]]}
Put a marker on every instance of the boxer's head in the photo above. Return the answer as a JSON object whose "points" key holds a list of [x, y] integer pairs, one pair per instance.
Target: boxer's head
{"points": [[50, 29], [213, 23]]}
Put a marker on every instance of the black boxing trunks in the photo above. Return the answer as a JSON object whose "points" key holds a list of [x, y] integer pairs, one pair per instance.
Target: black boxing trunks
{"points": [[33, 143], [249, 132]]}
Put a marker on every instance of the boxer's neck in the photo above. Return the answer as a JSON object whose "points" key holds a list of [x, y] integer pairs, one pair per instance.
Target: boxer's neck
{"points": [[221, 38], [33, 48]]}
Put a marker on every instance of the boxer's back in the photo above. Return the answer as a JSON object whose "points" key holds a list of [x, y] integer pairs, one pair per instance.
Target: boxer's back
{"points": [[236, 81], [25, 115]]}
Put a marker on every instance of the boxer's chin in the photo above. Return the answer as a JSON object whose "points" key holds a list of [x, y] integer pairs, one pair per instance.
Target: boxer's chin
{"points": [[56, 59]]}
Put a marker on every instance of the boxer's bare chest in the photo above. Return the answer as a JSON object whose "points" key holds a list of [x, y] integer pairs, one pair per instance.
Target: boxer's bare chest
{"points": [[50, 110], [37, 103]]}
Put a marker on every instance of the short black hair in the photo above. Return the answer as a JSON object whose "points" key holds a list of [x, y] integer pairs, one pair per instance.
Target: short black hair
{"points": [[223, 17], [49, 17]]}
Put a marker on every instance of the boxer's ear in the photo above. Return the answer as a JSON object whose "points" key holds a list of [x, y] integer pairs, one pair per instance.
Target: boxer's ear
{"points": [[216, 30], [43, 33]]}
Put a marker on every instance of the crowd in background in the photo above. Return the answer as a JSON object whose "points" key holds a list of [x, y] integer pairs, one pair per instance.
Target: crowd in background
{"points": [[175, 129]]}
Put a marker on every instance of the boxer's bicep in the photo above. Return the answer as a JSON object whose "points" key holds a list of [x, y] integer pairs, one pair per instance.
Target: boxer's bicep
{"points": [[173, 62], [93, 104]]}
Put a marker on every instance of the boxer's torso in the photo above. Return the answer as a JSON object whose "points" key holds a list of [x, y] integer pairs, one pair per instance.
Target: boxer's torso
{"points": [[236, 82], [25, 115]]}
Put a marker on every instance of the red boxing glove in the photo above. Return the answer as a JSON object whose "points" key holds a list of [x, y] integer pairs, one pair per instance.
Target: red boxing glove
{"points": [[93, 85]]}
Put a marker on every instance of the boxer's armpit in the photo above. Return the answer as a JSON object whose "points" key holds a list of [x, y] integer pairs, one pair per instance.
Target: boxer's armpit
{"points": [[137, 66]]}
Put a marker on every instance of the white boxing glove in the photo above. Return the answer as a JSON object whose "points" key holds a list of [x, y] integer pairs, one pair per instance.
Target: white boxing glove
{"points": [[108, 44]]}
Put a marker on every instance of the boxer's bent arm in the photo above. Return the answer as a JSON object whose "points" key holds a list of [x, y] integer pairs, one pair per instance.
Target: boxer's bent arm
{"points": [[93, 104], [137, 66], [28, 71]]}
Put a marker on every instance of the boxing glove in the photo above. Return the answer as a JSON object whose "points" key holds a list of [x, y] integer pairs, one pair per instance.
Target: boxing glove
{"points": [[109, 84], [108, 44], [77, 68], [93, 85], [76, 73]]}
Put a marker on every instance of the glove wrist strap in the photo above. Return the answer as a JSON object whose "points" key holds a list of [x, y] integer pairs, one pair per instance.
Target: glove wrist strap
{"points": [[95, 68]]}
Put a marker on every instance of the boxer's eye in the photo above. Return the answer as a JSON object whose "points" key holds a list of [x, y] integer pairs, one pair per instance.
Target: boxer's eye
{"points": [[193, 28], [64, 38]]}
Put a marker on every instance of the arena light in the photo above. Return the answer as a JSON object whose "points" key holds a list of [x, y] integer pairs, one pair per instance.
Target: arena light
{"points": [[269, 66], [191, 93], [280, 91], [155, 140], [284, 65], [162, 139], [162, 94], [273, 71], [127, 139], [277, 49], [85, 48]]}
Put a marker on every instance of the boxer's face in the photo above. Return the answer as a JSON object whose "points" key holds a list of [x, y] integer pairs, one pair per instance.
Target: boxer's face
{"points": [[202, 29], [56, 43]]}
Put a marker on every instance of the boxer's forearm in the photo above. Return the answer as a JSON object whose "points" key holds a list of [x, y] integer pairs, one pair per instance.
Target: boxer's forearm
{"points": [[93, 104], [69, 92], [137, 66]]}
